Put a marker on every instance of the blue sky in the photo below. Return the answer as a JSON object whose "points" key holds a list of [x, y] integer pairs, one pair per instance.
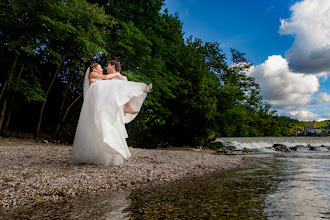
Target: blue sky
{"points": [[288, 42]]}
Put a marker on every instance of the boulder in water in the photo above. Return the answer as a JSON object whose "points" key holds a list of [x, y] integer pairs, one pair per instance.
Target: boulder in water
{"points": [[280, 147], [226, 149], [299, 146], [295, 148], [327, 147], [246, 150], [312, 148]]}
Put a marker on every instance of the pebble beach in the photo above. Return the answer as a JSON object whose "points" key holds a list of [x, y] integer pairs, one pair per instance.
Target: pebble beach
{"points": [[35, 172]]}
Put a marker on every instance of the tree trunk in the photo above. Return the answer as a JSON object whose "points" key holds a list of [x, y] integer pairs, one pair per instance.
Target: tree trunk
{"points": [[64, 117], [5, 90], [10, 72], [65, 94], [9, 113], [12, 100], [63, 103], [2, 112], [36, 135]]}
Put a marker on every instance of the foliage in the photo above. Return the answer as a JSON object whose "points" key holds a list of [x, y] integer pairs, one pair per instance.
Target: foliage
{"points": [[47, 45]]}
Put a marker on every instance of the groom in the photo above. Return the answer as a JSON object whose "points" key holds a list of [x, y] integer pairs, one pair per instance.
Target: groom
{"points": [[114, 67]]}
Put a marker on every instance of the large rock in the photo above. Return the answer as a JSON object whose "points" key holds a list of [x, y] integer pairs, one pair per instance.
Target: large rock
{"points": [[280, 147], [226, 149], [295, 148], [313, 148], [327, 147]]}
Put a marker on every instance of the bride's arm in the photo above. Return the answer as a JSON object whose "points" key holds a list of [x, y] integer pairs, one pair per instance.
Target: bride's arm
{"points": [[97, 76]]}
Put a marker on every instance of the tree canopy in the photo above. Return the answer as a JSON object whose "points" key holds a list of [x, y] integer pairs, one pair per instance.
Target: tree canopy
{"points": [[47, 45]]}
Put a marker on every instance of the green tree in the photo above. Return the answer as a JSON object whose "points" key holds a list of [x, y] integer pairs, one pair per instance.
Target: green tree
{"points": [[240, 103], [71, 27], [20, 35]]}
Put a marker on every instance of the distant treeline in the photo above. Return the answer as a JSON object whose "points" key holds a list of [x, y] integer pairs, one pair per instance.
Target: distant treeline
{"points": [[46, 46]]}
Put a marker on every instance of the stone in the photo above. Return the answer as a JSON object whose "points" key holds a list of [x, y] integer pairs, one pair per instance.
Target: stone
{"points": [[312, 148], [246, 150], [280, 147], [294, 148]]}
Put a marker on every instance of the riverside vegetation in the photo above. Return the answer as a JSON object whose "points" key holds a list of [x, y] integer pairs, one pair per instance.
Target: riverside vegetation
{"points": [[47, 45]]}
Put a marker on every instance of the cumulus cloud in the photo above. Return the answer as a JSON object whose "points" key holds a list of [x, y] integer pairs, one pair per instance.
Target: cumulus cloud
{"points": [[322, 98], [291, 84], [304, 115], [281, 87], [310, 25], [323, 75]]}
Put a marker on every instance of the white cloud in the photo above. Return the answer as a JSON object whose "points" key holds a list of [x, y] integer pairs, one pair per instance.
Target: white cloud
{"points": [[304, 115], [321, 98], [281, 87], [323, 75], [310, 24], [291, 84]]}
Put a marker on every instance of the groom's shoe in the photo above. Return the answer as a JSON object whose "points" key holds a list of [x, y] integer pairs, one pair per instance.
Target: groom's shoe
{"points": [[148, 88]]}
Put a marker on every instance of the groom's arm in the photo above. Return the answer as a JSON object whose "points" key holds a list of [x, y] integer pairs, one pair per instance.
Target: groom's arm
{"points": [[112, 75]]}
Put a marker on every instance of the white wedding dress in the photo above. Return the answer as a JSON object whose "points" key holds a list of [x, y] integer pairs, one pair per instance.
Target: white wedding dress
{"points": [[101, 134]]}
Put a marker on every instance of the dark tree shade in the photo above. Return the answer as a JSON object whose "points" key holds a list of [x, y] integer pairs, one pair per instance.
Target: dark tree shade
{"points": [[47, 45]]}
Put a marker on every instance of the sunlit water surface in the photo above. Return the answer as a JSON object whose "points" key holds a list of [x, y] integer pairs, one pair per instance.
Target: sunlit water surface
{"points": [[275, 186], [292, 185]]}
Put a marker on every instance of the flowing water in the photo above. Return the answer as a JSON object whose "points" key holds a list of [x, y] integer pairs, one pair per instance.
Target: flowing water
{"points": [[276, 185], [264, 144]]}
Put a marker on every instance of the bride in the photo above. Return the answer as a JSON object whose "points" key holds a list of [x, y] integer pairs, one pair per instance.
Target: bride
{"points": [[101, 134]]}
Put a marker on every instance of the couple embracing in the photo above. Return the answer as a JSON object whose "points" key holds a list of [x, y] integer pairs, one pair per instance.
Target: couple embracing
{"points": [[110, 102]]}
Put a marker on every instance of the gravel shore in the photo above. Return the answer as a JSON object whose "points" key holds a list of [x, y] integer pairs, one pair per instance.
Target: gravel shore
{"points": [[32, 172]]}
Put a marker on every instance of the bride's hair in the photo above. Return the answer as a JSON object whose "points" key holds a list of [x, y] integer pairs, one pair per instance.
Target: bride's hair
{"points": [[94, 66], [116, 63]]}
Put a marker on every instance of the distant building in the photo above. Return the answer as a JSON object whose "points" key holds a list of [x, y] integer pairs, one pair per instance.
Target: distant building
{"points": [[312, 130], [325, 132]]}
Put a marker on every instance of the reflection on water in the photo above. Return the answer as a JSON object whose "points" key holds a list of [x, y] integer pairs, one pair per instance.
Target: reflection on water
{"points": [[276, 186], [108, 205], [304, 192]]}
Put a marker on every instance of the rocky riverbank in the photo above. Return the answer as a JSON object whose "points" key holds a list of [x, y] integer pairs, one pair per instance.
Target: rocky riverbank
{"points": [[34, 172]]}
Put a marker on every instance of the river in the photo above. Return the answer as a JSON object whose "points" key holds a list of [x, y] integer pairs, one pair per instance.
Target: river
{"points": [[276, 185]]}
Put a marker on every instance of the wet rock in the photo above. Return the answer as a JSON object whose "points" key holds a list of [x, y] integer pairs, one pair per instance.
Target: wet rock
{"points": [[294, 148], [225, 149], [327, 147], [246, 150], [312, 148], [299, 146], [222, 151], [280, 147]]}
